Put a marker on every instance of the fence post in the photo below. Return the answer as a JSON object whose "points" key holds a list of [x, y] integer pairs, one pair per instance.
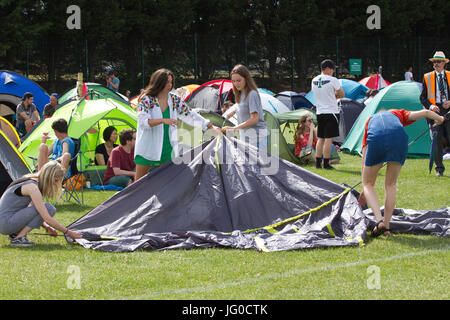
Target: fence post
{"points": [[87, 59], [28, 61], [195, 57], [419, 40], [245, 50], [142, 63], [292, 63], [337, 57]]}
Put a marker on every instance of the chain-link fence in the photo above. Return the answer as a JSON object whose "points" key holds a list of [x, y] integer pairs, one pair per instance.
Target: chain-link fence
{"points": [[277, 63]]}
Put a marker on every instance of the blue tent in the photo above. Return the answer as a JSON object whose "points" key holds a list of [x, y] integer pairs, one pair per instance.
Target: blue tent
{"points": [[294, 100], [13, 86], [353, 90]]}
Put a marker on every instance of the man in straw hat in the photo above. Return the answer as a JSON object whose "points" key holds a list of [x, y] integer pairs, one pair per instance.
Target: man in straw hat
{"points": [[435, 96]]}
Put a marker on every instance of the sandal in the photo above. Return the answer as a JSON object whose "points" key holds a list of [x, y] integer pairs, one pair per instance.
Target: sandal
{"points": [[379, 230]]}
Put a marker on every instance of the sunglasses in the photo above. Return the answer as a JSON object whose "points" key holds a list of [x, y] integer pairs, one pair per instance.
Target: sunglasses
{"points": [[438, 61]]}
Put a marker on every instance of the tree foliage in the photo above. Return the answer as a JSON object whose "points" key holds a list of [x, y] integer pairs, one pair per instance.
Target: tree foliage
{"points": [[136, 37]]}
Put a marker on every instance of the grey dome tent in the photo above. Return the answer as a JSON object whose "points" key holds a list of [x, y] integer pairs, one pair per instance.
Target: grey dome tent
{"points": [[349, 111], [223, 195], [294, 100]]}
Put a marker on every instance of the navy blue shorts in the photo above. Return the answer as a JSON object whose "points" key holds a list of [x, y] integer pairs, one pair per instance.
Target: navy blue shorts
{"points": [[387, 140]]}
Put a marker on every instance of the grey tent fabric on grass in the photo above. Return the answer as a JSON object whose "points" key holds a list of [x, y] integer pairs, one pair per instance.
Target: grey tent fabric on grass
{"points": [[408, 221], [222, 193]]}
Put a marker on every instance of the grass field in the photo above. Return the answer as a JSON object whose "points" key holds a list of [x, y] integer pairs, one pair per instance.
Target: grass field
{"points": [[407, 266]]}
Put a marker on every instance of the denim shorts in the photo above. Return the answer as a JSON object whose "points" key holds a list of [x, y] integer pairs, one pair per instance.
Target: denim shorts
{"points": [[387, 140]]}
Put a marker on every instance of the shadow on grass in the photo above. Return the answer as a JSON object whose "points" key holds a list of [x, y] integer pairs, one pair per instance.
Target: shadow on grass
{"points": [[43, 247], [73, 207], [421, 241], [352, 172]]}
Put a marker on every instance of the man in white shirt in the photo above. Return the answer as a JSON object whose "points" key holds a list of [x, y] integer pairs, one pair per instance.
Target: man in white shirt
{"points": [[409, 75], [327, 90]]}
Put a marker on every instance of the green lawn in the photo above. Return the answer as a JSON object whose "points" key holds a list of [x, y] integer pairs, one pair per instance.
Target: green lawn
{"points": [[407, 266]]}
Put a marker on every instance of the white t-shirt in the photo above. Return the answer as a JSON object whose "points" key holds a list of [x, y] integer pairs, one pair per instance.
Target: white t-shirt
{"points": [[408, 76], [324, 88]]}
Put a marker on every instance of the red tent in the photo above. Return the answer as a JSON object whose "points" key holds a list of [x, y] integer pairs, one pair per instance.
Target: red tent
{"points": [[211, 95], [375, 82]]}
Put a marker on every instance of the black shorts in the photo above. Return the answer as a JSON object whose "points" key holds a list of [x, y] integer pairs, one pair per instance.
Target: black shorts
{"points": [[328, 125]]}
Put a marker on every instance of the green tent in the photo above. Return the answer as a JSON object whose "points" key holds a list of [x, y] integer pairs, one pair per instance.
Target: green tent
{"points": [[285, 124], [399, 95], [95, 91], [86, 119]]}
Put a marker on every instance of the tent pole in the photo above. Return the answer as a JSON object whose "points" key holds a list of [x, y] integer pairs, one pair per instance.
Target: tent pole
{"points": [[379, 51]]}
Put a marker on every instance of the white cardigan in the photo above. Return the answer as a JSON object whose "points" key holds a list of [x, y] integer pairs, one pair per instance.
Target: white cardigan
{"points": [[149, 140]]}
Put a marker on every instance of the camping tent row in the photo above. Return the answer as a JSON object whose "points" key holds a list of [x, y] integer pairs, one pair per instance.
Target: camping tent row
{"points": [[88, 118], [12, 88], [212, 95]]}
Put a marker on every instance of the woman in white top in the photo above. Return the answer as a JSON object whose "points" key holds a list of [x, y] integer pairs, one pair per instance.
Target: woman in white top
{"points": [[158, 113], [249, 110]]}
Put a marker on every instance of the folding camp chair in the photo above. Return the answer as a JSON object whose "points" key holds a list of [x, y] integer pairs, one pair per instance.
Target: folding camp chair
{"points": [[73, 185]]}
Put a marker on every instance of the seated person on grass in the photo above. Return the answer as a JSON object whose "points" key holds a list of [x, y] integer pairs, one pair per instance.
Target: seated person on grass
{"points": [[103, 151], [306, 139], [63, 144], [26, 114], [120, 166]]}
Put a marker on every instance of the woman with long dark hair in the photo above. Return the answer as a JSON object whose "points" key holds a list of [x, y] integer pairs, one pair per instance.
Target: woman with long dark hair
{"points": [[252, 127], [158, 114]]}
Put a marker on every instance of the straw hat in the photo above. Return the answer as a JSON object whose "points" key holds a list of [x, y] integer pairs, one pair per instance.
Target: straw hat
{"points": [[439, 55]]}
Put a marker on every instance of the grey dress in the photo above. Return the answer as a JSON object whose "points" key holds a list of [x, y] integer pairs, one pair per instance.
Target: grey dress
{"points": [[256, 135], [15, 212]]}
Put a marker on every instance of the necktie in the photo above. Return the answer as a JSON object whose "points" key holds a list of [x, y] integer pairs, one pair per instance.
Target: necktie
{"points": [[441, 88]]}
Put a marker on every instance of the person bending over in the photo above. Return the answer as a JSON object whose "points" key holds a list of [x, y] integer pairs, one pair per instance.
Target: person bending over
{"points": [[385, 141]]}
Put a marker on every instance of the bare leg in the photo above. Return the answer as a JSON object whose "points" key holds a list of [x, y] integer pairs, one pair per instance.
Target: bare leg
{"points": [[28, 125], [42, 155], [327, 148], [23, 232], [65, 160], [319, 147], [369, 177], [141, 171], [390, 184]]}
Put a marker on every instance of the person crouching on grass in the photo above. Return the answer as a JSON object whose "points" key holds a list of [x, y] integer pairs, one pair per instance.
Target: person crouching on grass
{"points": [[22, 207], [385, 140]]}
